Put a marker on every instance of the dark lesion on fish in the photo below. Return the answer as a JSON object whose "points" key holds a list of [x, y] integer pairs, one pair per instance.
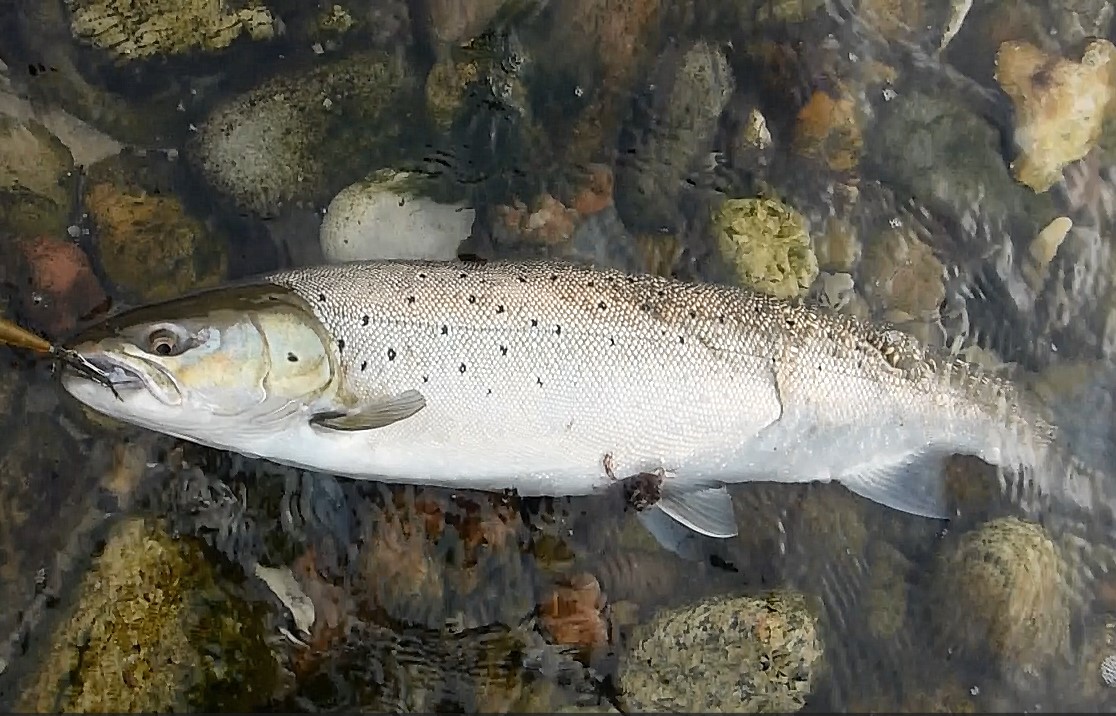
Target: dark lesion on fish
{"points": [[641, 491]]}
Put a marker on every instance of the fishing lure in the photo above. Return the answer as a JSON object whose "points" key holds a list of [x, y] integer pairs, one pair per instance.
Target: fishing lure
{"points": [[19, 337]]}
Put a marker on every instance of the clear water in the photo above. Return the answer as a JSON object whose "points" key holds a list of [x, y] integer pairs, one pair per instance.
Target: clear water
{"points": [[431, 600]]}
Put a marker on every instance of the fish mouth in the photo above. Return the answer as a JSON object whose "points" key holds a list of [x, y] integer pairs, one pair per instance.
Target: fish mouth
{"points": [[118, 374], [126, 373]]}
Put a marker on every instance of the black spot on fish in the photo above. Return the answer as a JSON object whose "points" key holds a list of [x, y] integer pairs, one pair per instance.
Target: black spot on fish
{"points": [[445, 329], [364, 365], [682, 340], [591, 284], [489, 392], [425, 379], [391, 354], [410, 299], [557, 330], [534, 323], [661, 293], [553, 277], [462, 368], [321, 296], [602, 305], [500, 308], [364, 320], [340, 344], [503, 350], [421, 274], [631, 279], [645, 307], [693, 314], [539, 381], [463, 275], [721, 319], [292, 358], [789, 321], [612, 341], [523, 279], [472, 298]]}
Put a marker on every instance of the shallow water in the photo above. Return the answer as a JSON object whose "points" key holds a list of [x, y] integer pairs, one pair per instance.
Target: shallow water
{"points": [[606, 132]]}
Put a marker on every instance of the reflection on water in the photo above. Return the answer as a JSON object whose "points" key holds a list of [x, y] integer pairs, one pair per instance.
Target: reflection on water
{"points": [[944, 166]]}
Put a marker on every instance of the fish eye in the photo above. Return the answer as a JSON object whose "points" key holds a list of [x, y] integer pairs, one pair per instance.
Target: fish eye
{"points": [[165, 342]]}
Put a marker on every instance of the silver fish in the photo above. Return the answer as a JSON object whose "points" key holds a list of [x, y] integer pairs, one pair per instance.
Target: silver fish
{"points": [[556, 379]]}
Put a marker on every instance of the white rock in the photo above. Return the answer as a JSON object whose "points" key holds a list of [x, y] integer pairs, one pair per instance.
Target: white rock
{"points": [[381, 219]]}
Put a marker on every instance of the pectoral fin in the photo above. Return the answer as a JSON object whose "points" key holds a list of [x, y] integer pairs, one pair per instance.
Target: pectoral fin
{"points": [[703, 507], [916, 486], [373, 415]]}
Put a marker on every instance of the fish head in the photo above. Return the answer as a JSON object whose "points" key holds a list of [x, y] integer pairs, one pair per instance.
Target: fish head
{"points": [[208, 367]]}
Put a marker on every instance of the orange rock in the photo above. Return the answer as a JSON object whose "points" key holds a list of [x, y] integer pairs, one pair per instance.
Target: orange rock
{"points": [[549, 222], [574, 613], [64, 289], [828, 129], [597, 194]]}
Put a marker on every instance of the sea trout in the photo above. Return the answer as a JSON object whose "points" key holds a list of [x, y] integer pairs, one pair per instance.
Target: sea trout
{"points": [[555, 379]]}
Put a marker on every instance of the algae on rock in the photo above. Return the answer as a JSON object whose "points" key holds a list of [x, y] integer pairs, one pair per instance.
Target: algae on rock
{"points": [[303, 137], [740, 654], [1060, 106], [151, 631], [999, 592], [147, 243], [131, 29], [767, 245]]}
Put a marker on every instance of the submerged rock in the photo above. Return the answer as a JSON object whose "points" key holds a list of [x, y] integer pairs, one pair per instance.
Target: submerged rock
{"points": [[689, 91], [132, 29], [303, 137], [999, 592], [34, 197], [742, 654], [767, 245], [152, 631], [389, 217], [1060, 106], [148, 244]]}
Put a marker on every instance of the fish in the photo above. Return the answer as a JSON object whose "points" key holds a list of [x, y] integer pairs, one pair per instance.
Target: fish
{"points": [[556, 379]]}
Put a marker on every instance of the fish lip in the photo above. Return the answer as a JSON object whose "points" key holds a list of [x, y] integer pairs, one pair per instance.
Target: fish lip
{"points": [[128, 373]]}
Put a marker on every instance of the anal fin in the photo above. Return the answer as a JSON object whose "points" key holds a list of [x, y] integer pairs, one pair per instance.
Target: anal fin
{"points": [[916, 486], [373, 415], [703, 507]]}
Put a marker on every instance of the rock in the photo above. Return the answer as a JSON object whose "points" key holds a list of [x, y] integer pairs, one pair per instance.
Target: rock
{"points": [[837, 245], [148, 244], [671, 136], [546, 221], [950, 161], [388, 217], [63, 288], [1043, 250], [828, 130], [33, 159], [606, 46], [767, 245], [900, 274], [86, 144], [573, 614], [130, 30], [446, 89], [429, 557], [998, 592], [741, 654], [451, 23], [151, 630], [303, 137], [1060, 106]]}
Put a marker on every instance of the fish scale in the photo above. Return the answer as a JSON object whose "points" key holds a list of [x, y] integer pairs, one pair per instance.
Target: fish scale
{"points": [[533, 372], [545, 368]]}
